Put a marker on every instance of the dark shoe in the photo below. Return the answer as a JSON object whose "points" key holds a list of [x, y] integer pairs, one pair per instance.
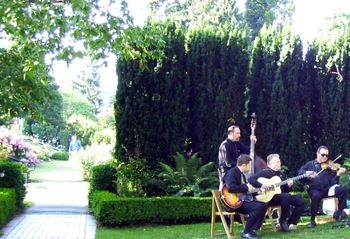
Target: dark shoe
{"points": [[249, 235], [312, 225], [337, 215], [255, 234], [284, 226]]}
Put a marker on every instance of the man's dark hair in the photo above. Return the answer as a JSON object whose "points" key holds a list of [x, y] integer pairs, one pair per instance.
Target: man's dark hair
{"points": [[243, 159]]}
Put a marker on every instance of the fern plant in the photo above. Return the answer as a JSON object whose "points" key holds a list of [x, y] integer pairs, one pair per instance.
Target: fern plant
{"points": [[189, 177]]}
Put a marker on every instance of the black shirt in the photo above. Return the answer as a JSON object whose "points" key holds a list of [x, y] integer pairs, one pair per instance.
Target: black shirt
{"points": [[235, 181], [229, 152], [322, 181]]}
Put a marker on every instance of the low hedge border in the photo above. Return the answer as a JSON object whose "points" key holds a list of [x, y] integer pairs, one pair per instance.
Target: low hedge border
{"points": [[7, 204], [111, 210]]}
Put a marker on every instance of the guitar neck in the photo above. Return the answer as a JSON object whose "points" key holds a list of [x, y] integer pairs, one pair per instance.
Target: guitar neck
{"points": [[293, 179]]}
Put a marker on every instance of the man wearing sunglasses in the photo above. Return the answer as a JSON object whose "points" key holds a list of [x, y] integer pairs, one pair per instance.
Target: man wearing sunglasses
{"points": [[323, 185]]}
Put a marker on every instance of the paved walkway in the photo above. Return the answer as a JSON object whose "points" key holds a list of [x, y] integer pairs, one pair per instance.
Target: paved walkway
{"points": [[59, 211]]}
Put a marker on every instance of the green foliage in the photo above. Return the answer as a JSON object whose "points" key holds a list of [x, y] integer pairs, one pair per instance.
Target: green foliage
{"points": [[268, 12], [154, 97], [41, 26], [133, 178], [76, 104], [110, 210], [60, 155], [14, 178], [88, 85], [105, 132], [196, 13], [183, 95], [103, 177], [7, 204], [189, 177], [23, 93]]}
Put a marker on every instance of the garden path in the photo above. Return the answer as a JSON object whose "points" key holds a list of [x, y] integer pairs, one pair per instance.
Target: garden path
{"points": [[59, 210]]}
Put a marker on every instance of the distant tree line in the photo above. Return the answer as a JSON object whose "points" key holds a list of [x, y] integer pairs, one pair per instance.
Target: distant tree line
{"points": [[210, 78]]}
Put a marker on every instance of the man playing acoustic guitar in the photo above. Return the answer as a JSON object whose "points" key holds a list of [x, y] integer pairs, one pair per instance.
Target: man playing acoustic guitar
{"points": [[236, 182], [280, 195]]}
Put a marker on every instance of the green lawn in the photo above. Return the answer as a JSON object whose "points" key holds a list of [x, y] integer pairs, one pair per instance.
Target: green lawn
{"points": [[202, 231], [54, 170]]}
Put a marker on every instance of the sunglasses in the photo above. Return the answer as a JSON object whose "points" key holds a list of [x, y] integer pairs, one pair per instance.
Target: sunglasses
{"points": [[324, 155]]}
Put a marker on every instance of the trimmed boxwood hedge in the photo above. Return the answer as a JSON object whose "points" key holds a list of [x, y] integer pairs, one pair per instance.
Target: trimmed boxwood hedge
{"points": [[7, 204], [14, 178], [111, 210], [61, 155]]}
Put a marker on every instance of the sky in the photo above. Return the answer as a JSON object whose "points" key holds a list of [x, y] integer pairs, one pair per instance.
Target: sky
{"points": [[309, 17]]}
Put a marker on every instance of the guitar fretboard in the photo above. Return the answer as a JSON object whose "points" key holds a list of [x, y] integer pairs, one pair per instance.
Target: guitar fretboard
{"points": [[293, 179]]}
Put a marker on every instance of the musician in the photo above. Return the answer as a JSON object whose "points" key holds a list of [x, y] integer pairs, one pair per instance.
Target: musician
{"points": [[325, 184], [230, 149], [236, 182], [292, 206]]}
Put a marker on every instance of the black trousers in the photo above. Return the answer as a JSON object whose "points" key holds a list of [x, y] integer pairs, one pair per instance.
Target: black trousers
{"points": [[292, 206], [317, 195], [256, 214]]}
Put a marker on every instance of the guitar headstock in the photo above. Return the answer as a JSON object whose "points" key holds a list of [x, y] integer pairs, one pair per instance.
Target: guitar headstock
{"points": [[253, 121]]}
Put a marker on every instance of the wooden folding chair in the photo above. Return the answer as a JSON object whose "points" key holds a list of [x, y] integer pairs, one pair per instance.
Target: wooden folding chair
{"points": [[219, 210], [270, 212]]}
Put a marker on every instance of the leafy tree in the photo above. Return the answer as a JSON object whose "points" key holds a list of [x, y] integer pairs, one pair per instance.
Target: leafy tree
{"points": [[197, 13], [76, 104], [23, 92], [88, 85], [101, 26], [260, 12], [40, 28]]}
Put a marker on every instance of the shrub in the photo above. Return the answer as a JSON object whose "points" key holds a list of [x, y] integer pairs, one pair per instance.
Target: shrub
{"points": [[103, 177], [7, 204], [14, 178], [135, 179], [111, 210], [61, 155], [189, 177], [94, 155], [17, 146]]}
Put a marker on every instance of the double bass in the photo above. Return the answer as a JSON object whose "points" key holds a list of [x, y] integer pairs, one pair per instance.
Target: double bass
{"points": [[257, 163]]}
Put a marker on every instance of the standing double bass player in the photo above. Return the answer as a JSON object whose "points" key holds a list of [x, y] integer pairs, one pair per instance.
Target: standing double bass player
{"points": [[231, 148]]}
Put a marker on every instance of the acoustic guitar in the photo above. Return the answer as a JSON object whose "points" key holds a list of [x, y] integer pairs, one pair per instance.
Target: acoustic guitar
{"points": [[235, 200], [275, 187]]}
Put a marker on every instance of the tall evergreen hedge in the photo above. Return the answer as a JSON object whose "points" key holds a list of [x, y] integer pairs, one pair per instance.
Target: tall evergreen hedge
{"points": [[210, 78]]}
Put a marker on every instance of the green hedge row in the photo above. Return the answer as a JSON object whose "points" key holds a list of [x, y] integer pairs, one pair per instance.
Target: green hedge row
{"points": [[62, 155], [7, 204], [14, 178], [111, 210]]}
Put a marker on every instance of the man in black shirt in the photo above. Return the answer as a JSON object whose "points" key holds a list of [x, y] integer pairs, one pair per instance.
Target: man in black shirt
{"points": [[292, 206], [230, 149], [319, 186], [236, 182]]}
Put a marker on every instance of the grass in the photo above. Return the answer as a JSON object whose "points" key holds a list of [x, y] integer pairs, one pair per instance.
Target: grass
{"points": [[55, 170], [323, 230]]}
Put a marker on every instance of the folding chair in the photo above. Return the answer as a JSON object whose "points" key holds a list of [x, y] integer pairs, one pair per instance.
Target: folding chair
{"points": [[270, 212], [219, 210], [329, 205]]}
